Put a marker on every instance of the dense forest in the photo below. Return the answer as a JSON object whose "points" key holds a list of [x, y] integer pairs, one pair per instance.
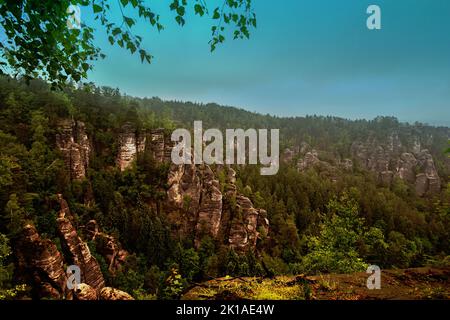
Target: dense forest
{"points": [[323, 218]]}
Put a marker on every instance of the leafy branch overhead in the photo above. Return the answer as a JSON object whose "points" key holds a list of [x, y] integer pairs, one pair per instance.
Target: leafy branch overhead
{"points": [[39, 42]]}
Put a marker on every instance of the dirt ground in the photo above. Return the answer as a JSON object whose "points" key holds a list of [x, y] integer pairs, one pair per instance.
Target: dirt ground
{"points": [[404, 284]]}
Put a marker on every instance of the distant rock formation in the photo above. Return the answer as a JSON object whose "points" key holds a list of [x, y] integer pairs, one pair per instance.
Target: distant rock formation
{"points": [[194, 199], [416, 168], [75, 146], [388, 160]]}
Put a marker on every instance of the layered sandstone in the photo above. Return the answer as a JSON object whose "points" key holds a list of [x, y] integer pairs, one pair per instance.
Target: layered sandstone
{"points": [[389, 160], [41, 265], [76, 250], [75, 146], [107, 246], [195, 204]]}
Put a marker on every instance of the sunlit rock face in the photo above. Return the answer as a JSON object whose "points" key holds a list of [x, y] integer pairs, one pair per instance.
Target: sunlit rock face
{"points": [[129, 145], [75, 146], [85, 292]]}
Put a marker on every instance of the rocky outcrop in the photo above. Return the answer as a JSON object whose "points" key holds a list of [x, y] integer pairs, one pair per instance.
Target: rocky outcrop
{"points": [[428, 180], [244, 225], [210, 206], [76, 250], [416, 168], [41, 265], [195, 202], [75, 147], [231, 218], [109, 293], [308, 161], [130, 143], [406, 167], [390, 160], [107, 246], [85, 292], [243, 221]]}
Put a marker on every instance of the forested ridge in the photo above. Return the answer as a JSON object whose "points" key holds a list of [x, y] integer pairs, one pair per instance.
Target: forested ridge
{"points": [[323, 217]]}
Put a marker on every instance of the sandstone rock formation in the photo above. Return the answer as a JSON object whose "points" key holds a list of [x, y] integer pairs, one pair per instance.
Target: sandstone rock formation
{"points": [[76, 250], [107, 246], [41, 264], [244, 221], [109, 293], [388, 162], [431, 183], [75, 146], [85, 292], [132, 142], [195, 202]]}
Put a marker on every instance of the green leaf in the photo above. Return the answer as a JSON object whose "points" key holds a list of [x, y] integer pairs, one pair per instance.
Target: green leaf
{"points": [[180, 11], [116, 31], [216, 14], [199, 10], [180, 20], [96, 8], [129, 21]]}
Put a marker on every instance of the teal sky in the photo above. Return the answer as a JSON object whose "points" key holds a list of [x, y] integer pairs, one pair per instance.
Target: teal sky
{"points": [[305, 57]]}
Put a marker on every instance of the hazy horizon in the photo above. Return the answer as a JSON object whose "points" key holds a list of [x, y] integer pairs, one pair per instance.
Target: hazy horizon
{"points": [[304, 58]]}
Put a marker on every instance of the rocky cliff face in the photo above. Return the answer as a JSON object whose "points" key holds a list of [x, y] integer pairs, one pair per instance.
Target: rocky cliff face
{"points": [[42, 266], [388, 160], [107, 246], [195, 203], [132, 142], [245, 222], [75, 146], [76, 250], [392, 161], [201, 208]]}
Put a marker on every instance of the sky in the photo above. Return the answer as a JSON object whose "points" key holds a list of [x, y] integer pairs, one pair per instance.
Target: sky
{"points": [[304, 58]]}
